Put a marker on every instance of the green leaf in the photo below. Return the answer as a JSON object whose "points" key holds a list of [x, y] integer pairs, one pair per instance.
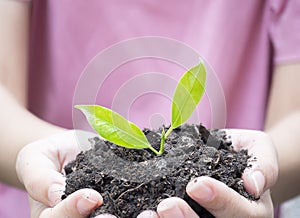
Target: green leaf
{"points": [[115, 128], [187, 95]]}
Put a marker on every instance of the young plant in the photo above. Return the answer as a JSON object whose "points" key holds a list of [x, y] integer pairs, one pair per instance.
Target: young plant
{"points": [[187, 96], [116, 129]]}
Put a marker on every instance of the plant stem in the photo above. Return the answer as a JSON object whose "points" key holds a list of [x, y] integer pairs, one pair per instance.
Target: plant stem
{"points": [[162, 142], [164, 135], [168, 132], [162, 147], [154, 151]]}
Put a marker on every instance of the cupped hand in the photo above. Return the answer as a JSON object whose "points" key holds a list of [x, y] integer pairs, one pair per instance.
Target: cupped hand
{"points": [[222, 201], [40, 168]]}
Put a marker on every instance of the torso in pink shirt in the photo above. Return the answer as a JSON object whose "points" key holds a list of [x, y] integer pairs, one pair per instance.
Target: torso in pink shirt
{"points": [[235, 37]]}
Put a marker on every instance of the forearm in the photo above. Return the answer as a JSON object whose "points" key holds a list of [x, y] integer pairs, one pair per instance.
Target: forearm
{"points": [[18, 127], [286, 137], [283, 125]]}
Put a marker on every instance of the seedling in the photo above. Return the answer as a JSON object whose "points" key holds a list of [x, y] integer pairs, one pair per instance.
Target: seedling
{"points": [[118, 130]]}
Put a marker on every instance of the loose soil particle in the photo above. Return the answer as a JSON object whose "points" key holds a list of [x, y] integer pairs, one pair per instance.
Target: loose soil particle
{"points": [[131, 181]]}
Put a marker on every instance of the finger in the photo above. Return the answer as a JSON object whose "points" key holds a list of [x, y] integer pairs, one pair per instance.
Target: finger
{"points": [[263, 172], [39, 170], [39, 166], [46, 187], [77, 205], [148, 214], [105, 216], [175, 208], [222, 201]]}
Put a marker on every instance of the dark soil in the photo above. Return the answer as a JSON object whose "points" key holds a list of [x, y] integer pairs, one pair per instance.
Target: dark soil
{"points": [[131, 181]]}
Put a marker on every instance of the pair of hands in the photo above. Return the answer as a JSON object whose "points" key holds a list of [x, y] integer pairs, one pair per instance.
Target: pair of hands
{"points": [[40, 168]]}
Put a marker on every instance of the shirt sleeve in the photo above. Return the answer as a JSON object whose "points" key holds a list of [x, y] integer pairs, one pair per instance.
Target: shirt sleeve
{"points": [[285, 30]]}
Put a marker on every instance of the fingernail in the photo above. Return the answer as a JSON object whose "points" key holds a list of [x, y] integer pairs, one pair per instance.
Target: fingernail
{"points": [[147, 214], [166, 211], [259, 182], [88, 202], [55, 192], [199, 190], [105, 216]]}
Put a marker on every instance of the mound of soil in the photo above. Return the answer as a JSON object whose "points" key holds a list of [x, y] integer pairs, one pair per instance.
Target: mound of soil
{"points": [[131, 181]]}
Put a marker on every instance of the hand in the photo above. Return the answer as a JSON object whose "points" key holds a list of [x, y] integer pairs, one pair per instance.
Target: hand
{"points": [[222, 201], [40, 166]]}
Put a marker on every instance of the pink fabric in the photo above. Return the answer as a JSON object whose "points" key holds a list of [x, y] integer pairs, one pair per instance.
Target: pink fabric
{"points": [[285, 32], [235, 37], [13, 203]]}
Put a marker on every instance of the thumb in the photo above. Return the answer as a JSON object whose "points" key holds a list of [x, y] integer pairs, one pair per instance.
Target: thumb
{"points": [[77, 205], [222, 201]]}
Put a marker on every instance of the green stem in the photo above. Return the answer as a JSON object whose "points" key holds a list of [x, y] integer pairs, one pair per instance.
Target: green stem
{"points": [[162, 146], [168, 132], [163, 139], [154, 151], [162, 142]]}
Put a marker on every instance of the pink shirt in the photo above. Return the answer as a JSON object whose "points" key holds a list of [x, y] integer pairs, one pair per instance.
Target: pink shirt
{"points": [[242, 40]]}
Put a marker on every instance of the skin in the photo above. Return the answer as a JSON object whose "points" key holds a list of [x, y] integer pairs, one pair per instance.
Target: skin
{"points": [[222, 201], [13, 74], [14, 22], [52, 146], [283, 126], [46, 157]]}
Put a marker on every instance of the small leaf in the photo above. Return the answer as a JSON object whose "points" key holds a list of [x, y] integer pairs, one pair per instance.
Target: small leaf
{"points": [[114, 128], [188, 93]]}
